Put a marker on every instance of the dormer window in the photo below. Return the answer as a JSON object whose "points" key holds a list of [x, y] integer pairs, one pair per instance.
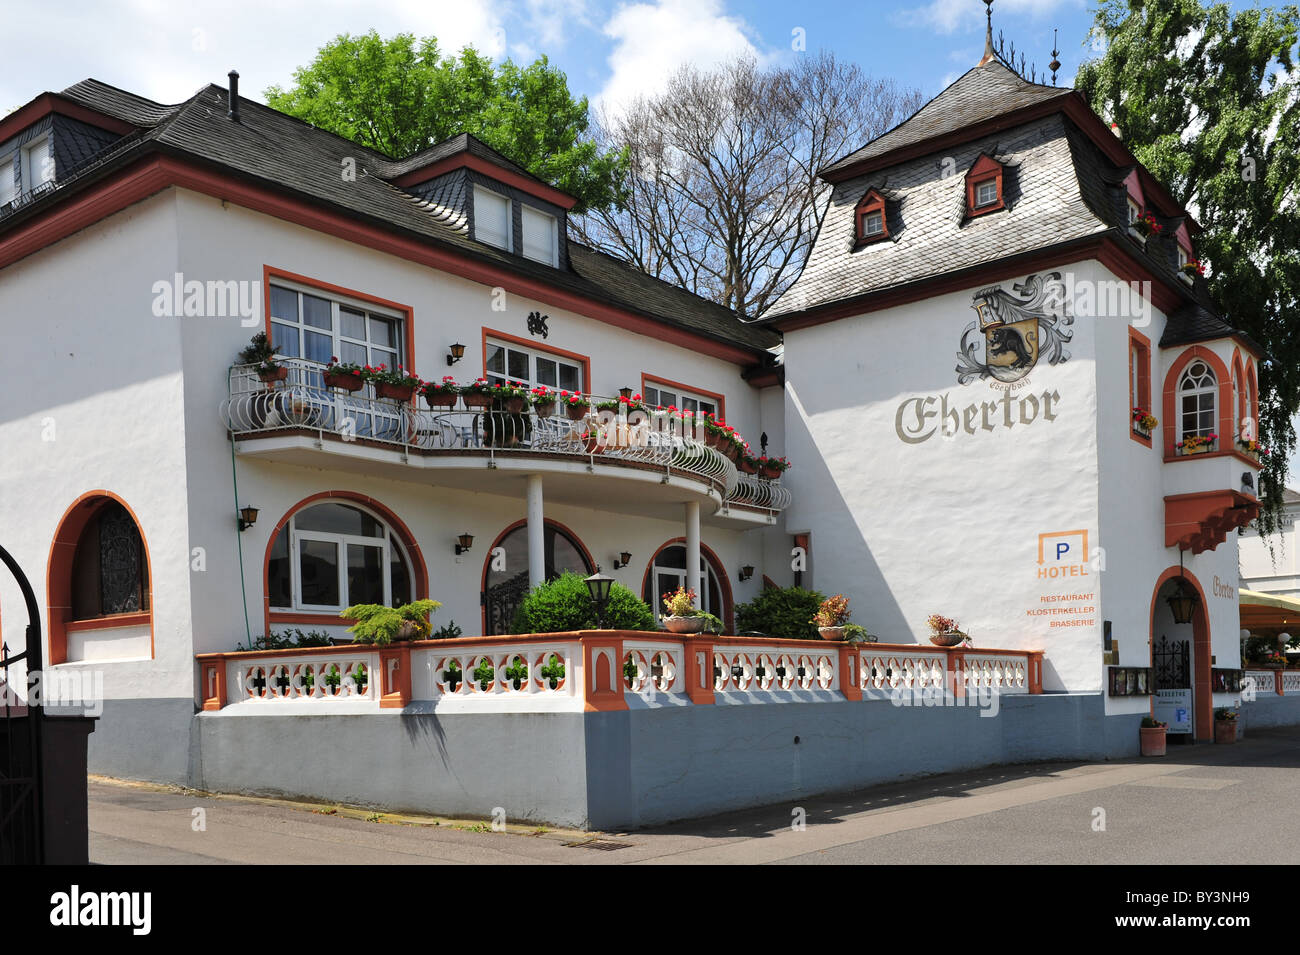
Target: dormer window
{"points": [[1183, 257], [492, 218], [984, 187], [872, 223], [541, 237], [1134, 212], [38, 164]]}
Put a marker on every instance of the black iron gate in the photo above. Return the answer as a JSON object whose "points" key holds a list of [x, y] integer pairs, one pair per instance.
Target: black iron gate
{"points": [[1172, 661], [21, 799], [501, 602]]}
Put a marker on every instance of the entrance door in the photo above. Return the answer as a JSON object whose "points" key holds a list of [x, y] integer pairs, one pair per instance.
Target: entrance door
{"points": [[1172, 677], [506, 588]]}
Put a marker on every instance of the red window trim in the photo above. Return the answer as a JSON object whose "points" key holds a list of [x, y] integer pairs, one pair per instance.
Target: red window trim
{"points": [[986, 169], [873, 201], [1138, 341], [1173, 425], [583, 360], [718, 399]]}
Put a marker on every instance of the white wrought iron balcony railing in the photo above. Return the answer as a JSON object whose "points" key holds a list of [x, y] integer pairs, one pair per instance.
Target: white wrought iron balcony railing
{"points": [[302, 403]]}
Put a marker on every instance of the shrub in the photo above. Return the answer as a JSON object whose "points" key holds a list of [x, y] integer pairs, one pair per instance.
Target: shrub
{"points": [[379, 625], [565, 604], [288, 639], [781, 612]]}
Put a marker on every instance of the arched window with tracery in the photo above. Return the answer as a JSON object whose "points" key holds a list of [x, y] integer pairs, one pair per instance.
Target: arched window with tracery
{"points": [[1197, 402]]}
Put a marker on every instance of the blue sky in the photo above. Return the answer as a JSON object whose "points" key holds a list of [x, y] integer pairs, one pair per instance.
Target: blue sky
{"points": [[610, 50]]}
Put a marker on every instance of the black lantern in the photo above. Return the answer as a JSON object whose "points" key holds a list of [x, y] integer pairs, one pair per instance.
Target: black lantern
{"points": [[598, 586], [746, 572], [464, 542], [625, 392], [622, 560], [247, 517], [1182, 604], [457, 353]]}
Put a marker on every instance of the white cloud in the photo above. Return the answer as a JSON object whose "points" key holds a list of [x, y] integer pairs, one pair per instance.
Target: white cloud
{"points": [[167, 51], [651, 40]]}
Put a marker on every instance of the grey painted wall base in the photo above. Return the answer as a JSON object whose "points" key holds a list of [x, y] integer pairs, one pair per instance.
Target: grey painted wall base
{"points": [[604, 770]]}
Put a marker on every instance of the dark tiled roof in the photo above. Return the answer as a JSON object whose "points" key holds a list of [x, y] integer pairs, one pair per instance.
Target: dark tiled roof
{"points": [[284, 153], [979, 94], [464, 143]]}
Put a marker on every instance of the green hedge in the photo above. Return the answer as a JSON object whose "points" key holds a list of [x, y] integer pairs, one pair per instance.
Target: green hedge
{"points": [[565, 604], [781, 612]]}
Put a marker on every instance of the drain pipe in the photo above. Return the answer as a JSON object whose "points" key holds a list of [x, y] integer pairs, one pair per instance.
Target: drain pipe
{"points": [[239, 546]]}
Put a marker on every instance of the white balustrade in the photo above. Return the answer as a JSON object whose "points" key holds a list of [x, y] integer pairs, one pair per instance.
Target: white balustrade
{"points": [[324, 678], [918, 670], [765, 674], [1001, 672], [1265, 682]]}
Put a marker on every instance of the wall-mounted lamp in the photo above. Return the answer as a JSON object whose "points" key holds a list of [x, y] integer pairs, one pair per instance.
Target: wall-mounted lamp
{"points": [[464, 542], [247, 517], [625, 392], [1182, 604], [746, 572], [622, 560], [457, 353]]}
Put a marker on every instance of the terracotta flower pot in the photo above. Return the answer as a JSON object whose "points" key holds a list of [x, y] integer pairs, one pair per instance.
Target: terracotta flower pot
{"points": [[441, 399], [384, 389], [831, 633], [276, 374], [476, 399], [1225, 731], [1153, 740], [514, 405], [577, 412], [545, 409], [747, 467], [344, 380], [953, 639], [770, 473], [593, 443]]}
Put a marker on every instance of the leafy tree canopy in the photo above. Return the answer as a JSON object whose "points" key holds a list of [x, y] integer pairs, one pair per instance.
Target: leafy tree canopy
{"points": [[1209, 102], [401, 95]]}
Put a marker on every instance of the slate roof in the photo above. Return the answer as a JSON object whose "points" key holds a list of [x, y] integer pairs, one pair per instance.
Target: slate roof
{"points": [[1058, 186], [280, 152], [979, 94]]}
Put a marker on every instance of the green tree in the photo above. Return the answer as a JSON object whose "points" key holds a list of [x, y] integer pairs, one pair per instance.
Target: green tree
{"points": [[401, 95], [1209, 102]]}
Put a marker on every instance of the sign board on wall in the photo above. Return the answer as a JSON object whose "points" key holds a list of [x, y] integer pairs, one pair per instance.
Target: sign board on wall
{"points": [[1175, 708]]}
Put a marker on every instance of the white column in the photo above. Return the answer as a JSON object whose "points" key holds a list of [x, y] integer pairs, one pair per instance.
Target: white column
{"points": [[693, 581], [536, 533]]}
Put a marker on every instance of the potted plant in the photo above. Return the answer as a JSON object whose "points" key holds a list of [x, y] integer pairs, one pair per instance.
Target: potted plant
{"points": [[1144, 421], [1273, 660], [1225, 725], [477, 394], [1148, 226], [1152, 735], [832, 616], [772, 468], [1251, 446], [543, 400], [575, 405], [397, 384], [346, 375], [681, 616], [441, 394], [260, 352], [593, 440], [945, 632], [738, 448], [1196, 443], [381, 625], [1190, 270], [512, 395], [856, 634], [747, 463]]}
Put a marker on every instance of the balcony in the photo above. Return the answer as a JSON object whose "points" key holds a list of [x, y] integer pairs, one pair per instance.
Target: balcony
{"points": [[639, 465]]}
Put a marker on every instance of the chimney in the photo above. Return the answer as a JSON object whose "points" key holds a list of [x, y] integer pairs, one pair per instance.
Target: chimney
{"points": [[233, 112]]}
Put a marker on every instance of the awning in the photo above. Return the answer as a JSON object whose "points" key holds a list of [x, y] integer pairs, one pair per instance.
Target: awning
{"points": [[1268, 614]]}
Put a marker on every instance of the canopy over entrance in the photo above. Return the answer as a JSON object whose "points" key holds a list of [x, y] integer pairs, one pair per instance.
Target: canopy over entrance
{"points": [[1268, 614]]}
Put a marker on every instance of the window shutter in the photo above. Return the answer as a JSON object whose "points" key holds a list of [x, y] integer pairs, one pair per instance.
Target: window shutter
{"points": [[539, 236], [492, 218]]}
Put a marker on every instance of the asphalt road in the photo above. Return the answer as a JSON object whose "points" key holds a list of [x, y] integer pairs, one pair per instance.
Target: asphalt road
{"points": [[1202, 804]]}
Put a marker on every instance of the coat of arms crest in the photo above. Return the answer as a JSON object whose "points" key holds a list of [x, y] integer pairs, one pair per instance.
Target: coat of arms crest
{"points": [[1017, 330]]}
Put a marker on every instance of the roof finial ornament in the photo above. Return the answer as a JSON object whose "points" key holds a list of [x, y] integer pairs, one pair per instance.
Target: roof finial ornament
{"points": [[1056, 58], [989, 55]]}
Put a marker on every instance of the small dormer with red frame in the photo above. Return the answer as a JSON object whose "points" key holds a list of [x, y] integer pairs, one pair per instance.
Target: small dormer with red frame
{"points": [[870, 219], [1134, 200], [984, 187]]}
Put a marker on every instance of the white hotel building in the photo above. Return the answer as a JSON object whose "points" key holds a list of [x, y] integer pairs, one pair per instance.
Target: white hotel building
{"points": [[953, 377]]}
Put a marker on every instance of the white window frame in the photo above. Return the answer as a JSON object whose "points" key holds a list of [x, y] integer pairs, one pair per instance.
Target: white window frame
{"points": [[30, 183], [659, 387], [1134, 212], [1200, 390], [879, 221], [375, 353], [483, 196], [979, 192], [8, 185], [551, 225], [387, 543], [1183, 256], [533, 379]]}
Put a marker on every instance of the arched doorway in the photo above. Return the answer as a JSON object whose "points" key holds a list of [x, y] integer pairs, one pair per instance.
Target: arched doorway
{"points": [[1180, 655], [667, 572], [504, 588]]}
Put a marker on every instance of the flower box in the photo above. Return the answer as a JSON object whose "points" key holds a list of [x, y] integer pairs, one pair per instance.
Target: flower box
{"points": [[440, 399], [577, 412], [386, 389], [269, 375], [544, 409], [343, 380]]}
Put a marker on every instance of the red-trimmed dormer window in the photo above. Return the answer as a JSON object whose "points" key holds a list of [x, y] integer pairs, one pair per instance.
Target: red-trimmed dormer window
{"points": [[984, 187], [872, 223]]}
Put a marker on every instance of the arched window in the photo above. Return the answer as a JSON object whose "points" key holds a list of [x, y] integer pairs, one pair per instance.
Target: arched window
{"points": [[505, 582], [331, 556], [110, 572], [1197, 401], [668, 572]]}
